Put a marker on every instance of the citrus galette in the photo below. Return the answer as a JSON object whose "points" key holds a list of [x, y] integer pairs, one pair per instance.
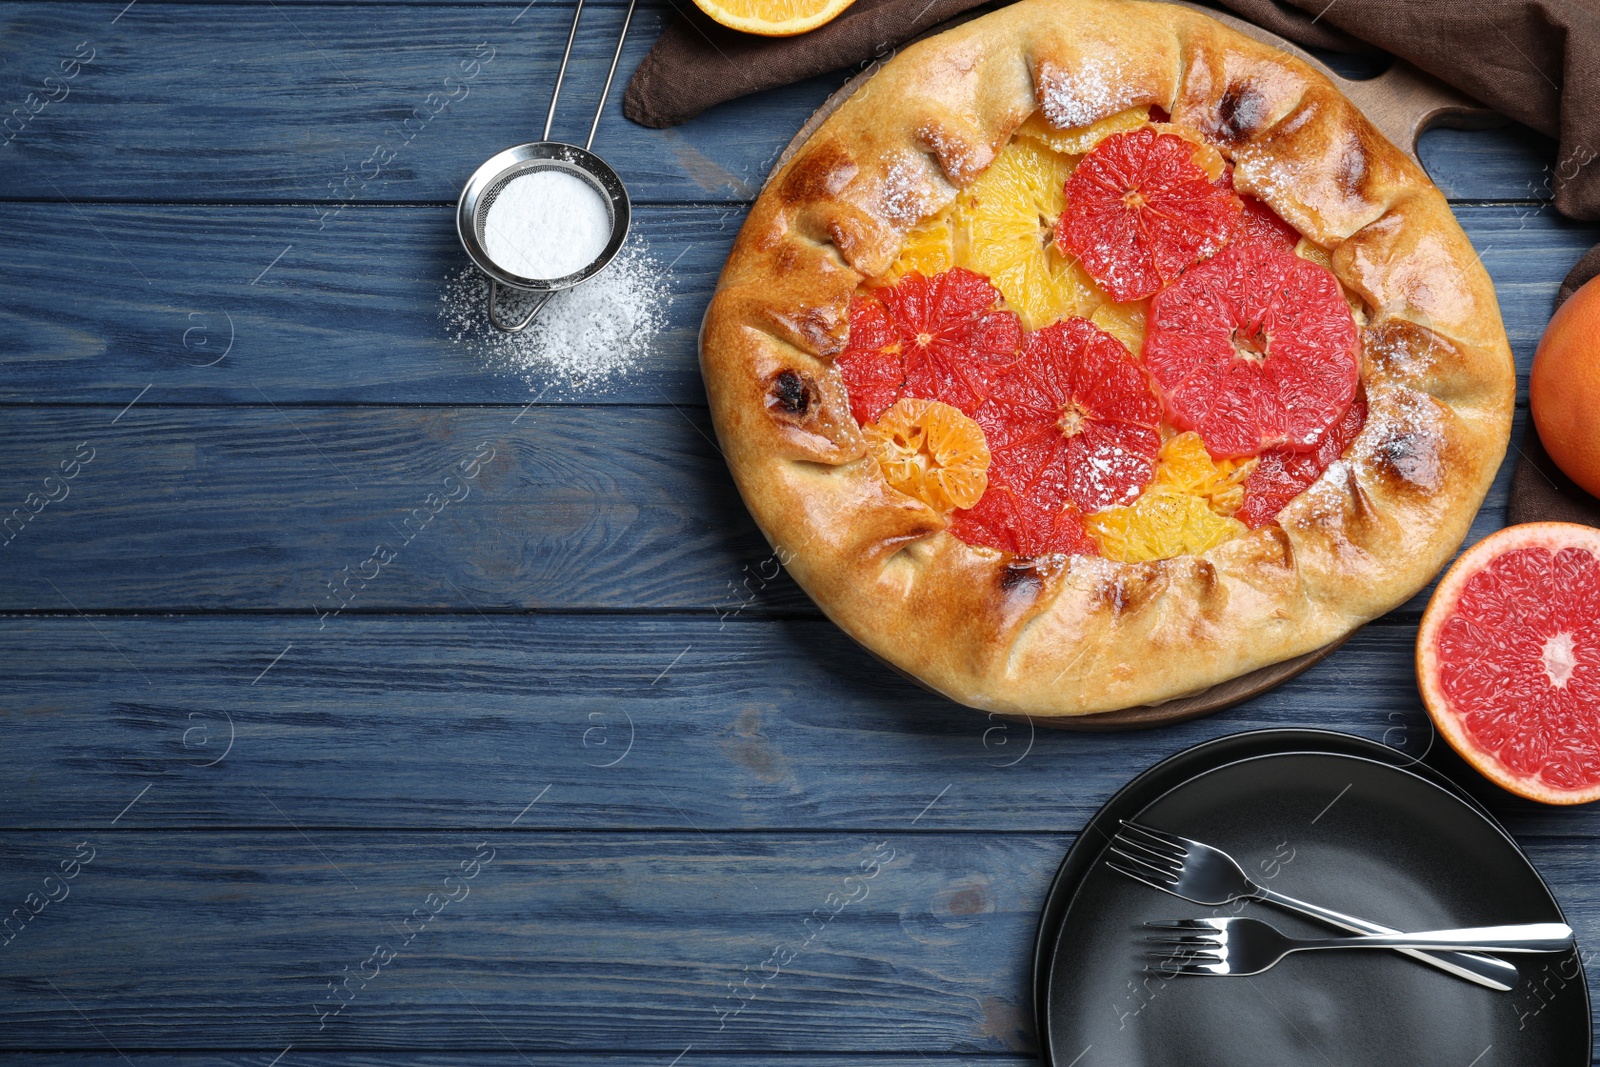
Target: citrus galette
{"points": [[1092, 353]]}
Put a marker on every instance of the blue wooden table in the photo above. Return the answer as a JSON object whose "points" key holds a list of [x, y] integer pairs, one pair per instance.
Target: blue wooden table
{"points": [[561, 783]]}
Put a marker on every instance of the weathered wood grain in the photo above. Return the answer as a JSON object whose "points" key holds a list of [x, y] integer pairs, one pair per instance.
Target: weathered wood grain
{"points": [[260, 102], [207, 102], [615, 941], [300, 1057], [593, 941], [353, 316], [631, 722], [269, 508]]}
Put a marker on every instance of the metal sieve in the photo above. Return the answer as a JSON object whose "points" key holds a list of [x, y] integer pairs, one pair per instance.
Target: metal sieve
{"points": [[488, 180]]}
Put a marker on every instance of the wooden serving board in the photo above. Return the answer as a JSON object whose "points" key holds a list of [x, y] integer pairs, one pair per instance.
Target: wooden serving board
{"points": [[1402, 103]]}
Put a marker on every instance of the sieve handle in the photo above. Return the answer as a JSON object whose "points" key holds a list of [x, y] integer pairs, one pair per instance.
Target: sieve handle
{"points": [[561, 75], [494, 292], [612, 73]]}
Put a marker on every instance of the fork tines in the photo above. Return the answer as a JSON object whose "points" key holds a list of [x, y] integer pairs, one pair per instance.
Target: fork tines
{"points": [[1146, 855]]}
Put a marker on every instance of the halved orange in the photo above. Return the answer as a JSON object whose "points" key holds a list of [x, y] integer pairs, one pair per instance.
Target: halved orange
{"points": [[773, 18]]}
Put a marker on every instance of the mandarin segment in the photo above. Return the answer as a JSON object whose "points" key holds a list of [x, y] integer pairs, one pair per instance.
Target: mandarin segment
{"points": [[1185, 466], [930, 451]]}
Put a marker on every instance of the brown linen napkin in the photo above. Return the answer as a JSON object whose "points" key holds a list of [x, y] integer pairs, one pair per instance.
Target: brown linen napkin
{"points": [[1537, 61], [1539, 491]]}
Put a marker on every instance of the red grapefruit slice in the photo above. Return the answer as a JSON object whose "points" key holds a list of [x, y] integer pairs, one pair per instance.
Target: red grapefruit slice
{"points": [[1283, 475], [1009, 521], [1260, 222], [1508, 660], [870, 363], [1140, 210], [1073, 420], [939, 338], [952, 336], [1254, 349]]}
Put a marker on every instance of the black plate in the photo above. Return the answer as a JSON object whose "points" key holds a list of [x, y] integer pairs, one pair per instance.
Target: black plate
{"points": [[1397, 845]]}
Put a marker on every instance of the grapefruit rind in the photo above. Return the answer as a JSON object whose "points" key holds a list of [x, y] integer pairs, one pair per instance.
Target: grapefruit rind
{"points": [[1551, 536]]}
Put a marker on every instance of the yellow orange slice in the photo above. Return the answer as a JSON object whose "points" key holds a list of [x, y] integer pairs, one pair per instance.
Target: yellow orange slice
{"points": [[1125, 322], [1005, 229], [929, 249], [773, 18], [1184, 465], [1186, 508], [1161, 524], [931, 451]]}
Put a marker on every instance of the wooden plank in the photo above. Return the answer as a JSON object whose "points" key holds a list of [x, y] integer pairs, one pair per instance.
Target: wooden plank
{"points": [[300, 1056], [594, 941], [1511, 162], [353, 316], [294, 102], [631, 723], [318, 91], [186, 509], [277, 508]]}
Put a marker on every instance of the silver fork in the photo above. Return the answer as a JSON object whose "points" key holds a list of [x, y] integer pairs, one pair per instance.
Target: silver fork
{"points": [[1250, 946], [1202, 874]]}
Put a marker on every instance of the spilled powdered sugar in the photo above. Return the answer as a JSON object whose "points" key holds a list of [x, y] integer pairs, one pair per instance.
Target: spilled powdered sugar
{"points": [[586, 336]]}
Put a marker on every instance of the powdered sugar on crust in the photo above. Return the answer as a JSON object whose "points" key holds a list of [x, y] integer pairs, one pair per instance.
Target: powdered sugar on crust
{"points": [[1330, 491], [1099, 86], [1404, 438], [912, 190], [962, 159]]}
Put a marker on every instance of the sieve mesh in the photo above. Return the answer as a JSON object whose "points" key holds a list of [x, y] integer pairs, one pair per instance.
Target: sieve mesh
{"points": [[480, 217]]}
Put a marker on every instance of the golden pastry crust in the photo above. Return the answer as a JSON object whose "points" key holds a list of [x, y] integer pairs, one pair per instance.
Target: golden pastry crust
{"points": [[1071, 636]]}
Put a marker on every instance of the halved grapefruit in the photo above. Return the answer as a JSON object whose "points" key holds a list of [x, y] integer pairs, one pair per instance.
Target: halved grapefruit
{"points": [[1508, 660]]}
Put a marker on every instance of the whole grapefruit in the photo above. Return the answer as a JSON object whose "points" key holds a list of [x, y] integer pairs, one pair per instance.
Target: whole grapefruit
{"points": [[1508, 660], [1564, 393]]}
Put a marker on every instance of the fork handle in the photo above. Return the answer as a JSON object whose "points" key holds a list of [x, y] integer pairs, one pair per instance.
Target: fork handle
{"points": [[1482, 970], [1531, 937]]}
